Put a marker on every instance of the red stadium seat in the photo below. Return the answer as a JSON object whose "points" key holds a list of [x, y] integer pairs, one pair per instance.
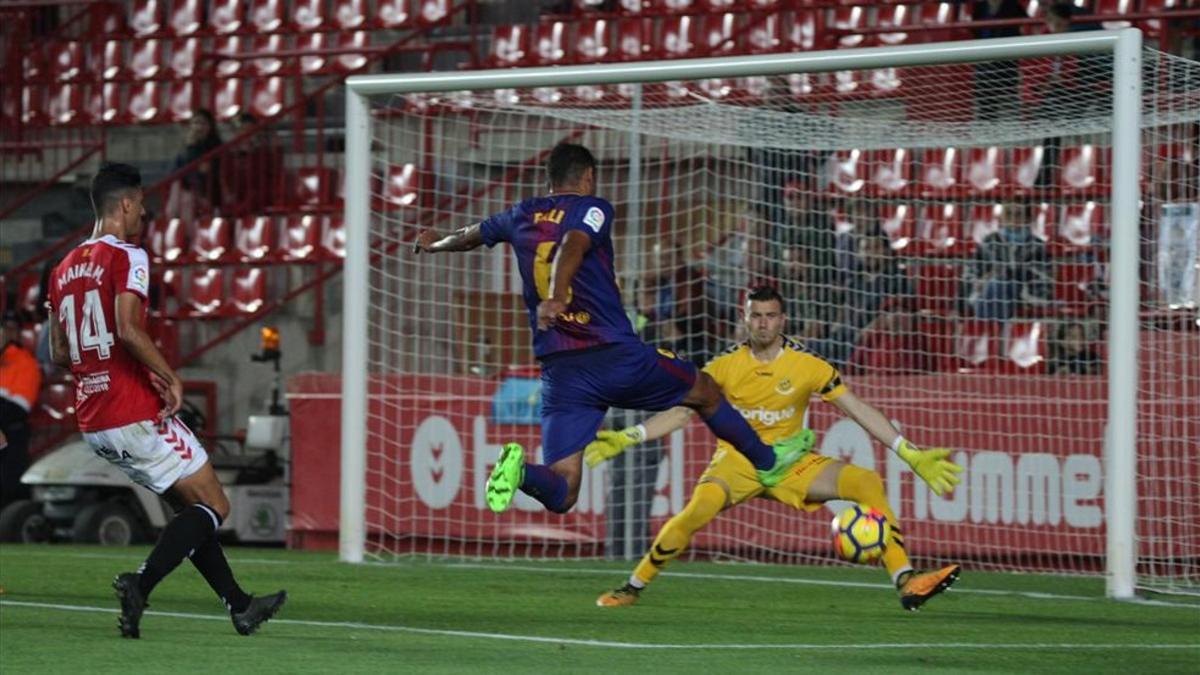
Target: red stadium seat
{"points": [[1153, 27], [1025, 167], [145, 17], [301, 238], [170, 293], [145, 103], [937, 289], [266, 16], [27, 292], [984, 220], [227, 98], [33, 106], [333, 241], [185, 17], [225, 16], [550, 40], [430, 12], [105, 20], [896, 17], [146, 59], [718, 34], [173, 244], [849, 19], [213, 241], [185, 56], [254, 238], [593, 40], [206, 293], [266, 97], [315, 187], [720, 5], [1082, 169], [936, 14], [510, 46], [400, 186], [765, 34], [1045, 221], [248, 289], [58, 400], [978, 343], [102, 103], [350, 14], [1083, 226], [267, 44], [67, 60], [849, 171], [634, 6], [632, 39], [890, 171], [393, 14], [230, 45], [941, 230], [898, 222], [1025, 349], [1114, 7], [182, 101], [984, 169], [804, 31], [308, 15], [679, 38], [941, 172], [64, 104], [357, 40], [316, 63]]}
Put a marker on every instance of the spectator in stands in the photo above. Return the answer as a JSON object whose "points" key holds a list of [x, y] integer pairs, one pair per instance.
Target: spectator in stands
{"points": [[730, 267], [877, 297], [1071, 353], [800, 257], [253, 172], [1067, 91], [20, 381], [997, 82], [197, 191], [1010, 270]]}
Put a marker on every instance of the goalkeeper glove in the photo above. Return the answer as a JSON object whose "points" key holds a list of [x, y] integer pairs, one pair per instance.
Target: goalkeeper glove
{"points": [[609, 444], [931, 465]]}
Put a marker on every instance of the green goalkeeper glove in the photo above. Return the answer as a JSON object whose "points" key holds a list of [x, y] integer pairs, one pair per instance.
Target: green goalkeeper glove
{"points": [[609, 444], [932, 466]]}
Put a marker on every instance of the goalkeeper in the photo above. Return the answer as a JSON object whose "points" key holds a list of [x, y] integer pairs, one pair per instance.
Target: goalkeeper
{"points": [[770, 379]]}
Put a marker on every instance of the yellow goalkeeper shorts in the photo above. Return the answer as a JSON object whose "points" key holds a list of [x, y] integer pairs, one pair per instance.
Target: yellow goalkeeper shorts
{"points": [[733, 469]]}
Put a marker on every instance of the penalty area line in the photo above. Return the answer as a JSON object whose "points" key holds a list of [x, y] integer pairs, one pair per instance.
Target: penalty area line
{"points": [[610, 644]]}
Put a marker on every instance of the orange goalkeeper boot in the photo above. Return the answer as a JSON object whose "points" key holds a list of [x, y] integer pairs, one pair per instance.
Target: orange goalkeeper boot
{"points": [[922, 586], [621, 597]]}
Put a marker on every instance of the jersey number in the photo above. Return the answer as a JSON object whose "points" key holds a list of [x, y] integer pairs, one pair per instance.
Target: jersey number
{"points": [[93, 330], [543, 264]]}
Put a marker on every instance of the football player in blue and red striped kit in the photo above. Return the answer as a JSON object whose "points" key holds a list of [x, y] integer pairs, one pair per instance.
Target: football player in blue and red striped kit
{"points": [[590, 356]]}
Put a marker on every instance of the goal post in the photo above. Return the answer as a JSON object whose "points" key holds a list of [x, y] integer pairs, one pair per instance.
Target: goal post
{"points": [[477, 148]]}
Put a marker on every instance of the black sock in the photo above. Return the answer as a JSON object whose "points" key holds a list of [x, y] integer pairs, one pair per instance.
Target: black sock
{"points": [[186, 531], [209, 558]]}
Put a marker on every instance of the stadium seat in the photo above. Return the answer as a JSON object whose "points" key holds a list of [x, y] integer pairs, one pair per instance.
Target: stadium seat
{"points": [[315, 63], [28, 288], [1153, 27], [1082, 169], [984, 220], [185, 56], [1082, 226], [169, 246], [941, 231], [64, 104], [182, 101], [984, 169], [978, 342], [33, 106], [145, 103], [350, 14], [851, 18], [678, 38], [225, 16], [66, 60], [266, 16], [266, 45], [1045, 221], [315, 187], [170, 292], [101, 103], [266, 97], [206, 294], [804, 31], [1073, 285], [106, 20], [765, 34], [634, 7], [400, 185], [1114, 7], [145, 17], [393, 14], [301, 238], [937, 288], [254, 238], [213, 240], [890, 171], [146, 59], [1025, 348], [1025, 167], [185, 17], [430, 12], [720, 5], [896, 17], [550, 39], [936, 14], [510, 46], [58, 400], [941, 172], [308, 15], [593, 40], [230, 45], [849, 171], [632, 39], [718, 34], [248, 289], [228, 96], [356, 40], [898, 222], [333, 240]]}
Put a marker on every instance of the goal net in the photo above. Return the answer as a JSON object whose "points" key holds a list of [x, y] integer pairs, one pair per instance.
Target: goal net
{"points": [[940, 233]]}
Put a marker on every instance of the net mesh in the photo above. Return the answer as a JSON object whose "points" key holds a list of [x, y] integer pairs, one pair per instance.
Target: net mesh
{"points": [[940, 234]]}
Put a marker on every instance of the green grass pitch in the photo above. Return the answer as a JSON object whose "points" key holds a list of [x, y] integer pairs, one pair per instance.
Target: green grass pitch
{"points": [[58, 615]]}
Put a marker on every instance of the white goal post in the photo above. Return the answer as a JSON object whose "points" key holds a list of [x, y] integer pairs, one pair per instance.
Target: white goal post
{"points": [[1125, 48]]}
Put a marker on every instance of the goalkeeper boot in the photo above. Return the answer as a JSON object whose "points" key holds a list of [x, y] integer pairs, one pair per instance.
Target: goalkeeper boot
{"points": [[787, 452], [257, 612], [133, 603], [921, 586], [506, 477], [620, 597]]}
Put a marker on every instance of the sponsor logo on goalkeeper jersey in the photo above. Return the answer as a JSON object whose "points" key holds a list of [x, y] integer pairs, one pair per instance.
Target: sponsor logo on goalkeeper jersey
{"points": [[767, 416]]}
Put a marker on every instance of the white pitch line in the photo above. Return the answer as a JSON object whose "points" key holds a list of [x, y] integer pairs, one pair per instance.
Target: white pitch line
{"points": [[618, 645]]}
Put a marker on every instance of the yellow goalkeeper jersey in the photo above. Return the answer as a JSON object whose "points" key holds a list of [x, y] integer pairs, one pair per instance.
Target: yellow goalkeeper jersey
{"points": [[774, 396]]}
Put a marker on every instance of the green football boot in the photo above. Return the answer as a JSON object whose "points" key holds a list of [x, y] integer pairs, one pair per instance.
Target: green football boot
{"points": [[506, 477], [787, 452]]}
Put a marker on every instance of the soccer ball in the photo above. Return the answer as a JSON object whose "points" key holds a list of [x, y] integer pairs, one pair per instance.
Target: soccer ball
{"points": [[861, 533]]}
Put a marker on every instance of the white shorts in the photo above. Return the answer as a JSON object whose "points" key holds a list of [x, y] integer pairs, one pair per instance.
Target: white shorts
{"points": [[153, 455]]}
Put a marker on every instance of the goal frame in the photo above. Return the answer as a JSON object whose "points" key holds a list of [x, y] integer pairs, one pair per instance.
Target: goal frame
{"points": [[1125, 46]]}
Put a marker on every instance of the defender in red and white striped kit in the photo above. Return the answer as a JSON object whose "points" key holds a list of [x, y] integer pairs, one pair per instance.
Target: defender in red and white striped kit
{"points": [[127, 396]]}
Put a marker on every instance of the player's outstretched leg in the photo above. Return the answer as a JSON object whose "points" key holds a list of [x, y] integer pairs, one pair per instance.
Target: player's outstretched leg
{"points": [[506, 477], [248, 612], [707, 501], [555, 486]]}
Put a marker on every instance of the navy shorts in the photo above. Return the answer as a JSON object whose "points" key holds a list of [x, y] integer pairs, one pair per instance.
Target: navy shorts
{"points": [[578, 388]]}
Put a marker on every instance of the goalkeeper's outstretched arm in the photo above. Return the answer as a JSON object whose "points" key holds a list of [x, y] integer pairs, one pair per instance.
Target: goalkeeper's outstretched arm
{"points": [[931, 465], [462, 239], [609, 444]]}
